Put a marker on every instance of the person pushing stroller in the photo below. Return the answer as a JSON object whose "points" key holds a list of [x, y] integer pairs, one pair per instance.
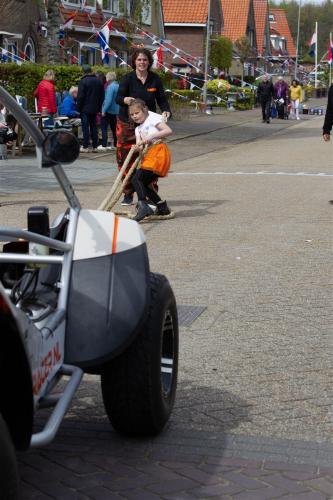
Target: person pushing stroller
{"points": [[151, 128]]}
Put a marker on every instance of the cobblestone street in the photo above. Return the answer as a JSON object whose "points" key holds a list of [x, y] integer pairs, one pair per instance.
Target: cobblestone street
{"points": [[249, 258]]}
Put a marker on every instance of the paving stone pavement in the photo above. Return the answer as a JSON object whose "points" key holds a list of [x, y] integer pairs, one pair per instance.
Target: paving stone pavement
{"points": [[253, 414]]}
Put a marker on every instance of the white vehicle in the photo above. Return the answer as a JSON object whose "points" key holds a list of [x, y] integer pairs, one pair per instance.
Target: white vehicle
{"points": [[78, 296]]}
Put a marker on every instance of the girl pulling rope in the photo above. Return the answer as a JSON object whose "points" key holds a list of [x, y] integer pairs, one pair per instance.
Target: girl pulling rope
{"points": [[151, 128]]}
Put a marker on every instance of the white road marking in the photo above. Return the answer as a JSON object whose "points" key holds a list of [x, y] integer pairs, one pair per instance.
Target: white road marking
{"points": [[291, 174]]}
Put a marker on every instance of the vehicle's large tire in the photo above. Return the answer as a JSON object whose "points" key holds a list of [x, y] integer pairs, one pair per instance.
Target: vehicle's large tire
{"points": [[8, 468], [139, 386]]}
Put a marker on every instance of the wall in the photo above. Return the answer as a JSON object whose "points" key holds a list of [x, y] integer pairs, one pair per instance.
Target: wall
{"points": [[23, 16], [190, 40]]}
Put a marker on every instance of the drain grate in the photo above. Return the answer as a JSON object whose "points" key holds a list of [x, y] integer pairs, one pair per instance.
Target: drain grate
{"points": [[188, 314]]}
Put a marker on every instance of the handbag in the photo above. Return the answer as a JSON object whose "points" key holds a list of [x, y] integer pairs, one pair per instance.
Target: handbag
{"points": [[273, 111]]}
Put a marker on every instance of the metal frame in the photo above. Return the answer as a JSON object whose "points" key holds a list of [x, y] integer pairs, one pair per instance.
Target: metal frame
{"points": [[62, 401]]}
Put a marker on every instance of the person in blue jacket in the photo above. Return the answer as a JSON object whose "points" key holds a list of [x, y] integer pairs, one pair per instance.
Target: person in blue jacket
{"points": [[110, 110], [68, 107]]}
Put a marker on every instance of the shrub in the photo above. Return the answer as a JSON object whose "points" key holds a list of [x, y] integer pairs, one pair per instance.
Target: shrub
{"points": [[23, 79]]}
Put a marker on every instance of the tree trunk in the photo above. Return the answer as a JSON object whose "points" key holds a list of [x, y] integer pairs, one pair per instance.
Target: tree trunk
{"points": [[53, 27]]}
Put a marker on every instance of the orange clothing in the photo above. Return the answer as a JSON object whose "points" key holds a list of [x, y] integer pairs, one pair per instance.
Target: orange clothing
{"points": [[157, 159]]}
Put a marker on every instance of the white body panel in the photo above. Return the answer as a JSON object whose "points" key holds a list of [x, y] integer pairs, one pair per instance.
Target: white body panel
{"points": [[98, 236]]}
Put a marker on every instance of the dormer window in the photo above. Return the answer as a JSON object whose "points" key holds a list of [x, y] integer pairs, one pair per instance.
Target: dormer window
{"points": [[111, 6], [271, 18], [83, 3]]}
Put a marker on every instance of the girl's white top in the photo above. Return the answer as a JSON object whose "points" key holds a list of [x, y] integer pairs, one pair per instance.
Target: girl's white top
{"points": [[148, 127]]}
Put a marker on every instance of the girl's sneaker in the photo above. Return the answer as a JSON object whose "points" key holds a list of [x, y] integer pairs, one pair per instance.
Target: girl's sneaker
{"points": [[143, 210], [162, 208]]}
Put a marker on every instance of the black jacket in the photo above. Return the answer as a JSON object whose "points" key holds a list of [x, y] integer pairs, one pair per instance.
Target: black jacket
{"points": [[328, 123], [265, 91], [90, 95], [150, 92]]}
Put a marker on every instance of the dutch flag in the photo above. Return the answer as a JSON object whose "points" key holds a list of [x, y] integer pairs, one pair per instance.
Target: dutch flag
{"points": [[103, 40]]}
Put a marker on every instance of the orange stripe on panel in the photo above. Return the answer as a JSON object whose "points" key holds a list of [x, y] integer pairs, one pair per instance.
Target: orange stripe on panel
{"points": [[115, 234]]}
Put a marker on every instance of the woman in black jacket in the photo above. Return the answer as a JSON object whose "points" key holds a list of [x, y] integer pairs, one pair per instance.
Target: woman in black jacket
{"points": [[143, 84], [328, 123]]}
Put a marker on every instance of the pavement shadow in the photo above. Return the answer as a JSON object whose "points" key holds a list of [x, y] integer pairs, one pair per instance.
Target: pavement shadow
{"points": [[88, 458], [201, 208]]}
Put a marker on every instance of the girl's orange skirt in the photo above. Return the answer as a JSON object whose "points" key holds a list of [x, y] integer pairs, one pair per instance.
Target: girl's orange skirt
{"points": [[157, 159]]}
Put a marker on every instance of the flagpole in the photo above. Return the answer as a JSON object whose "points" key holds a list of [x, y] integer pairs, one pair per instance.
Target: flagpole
{"points": [[297, 42], [316, 57], [207, 53]]}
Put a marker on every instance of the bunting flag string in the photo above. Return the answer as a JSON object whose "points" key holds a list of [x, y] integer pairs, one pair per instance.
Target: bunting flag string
{"points": [[69, 21], [18, 58]]}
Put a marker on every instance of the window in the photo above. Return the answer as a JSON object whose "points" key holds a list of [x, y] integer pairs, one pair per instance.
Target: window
{"points": [[146, 12], [30, 51], [111, 6], [82, 3], [88, 53], [271, 18], [11, 47], [282, 43], [124, 7]]}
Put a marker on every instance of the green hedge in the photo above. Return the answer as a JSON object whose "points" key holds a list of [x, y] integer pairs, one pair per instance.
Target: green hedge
{"points": [[23, 80]]}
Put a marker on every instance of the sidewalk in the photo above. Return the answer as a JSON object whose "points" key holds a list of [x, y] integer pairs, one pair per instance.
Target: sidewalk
{"points": [[248, 257]]}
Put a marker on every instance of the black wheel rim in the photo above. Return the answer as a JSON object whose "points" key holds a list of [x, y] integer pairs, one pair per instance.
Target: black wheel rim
{"points": [[168, 355]]}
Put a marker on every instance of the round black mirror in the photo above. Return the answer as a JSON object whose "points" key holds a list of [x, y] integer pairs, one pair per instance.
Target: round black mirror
{"points": [[61, 147]]}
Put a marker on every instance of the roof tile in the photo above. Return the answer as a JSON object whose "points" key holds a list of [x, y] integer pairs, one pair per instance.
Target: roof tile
{"points": [[235, 14], [261, 16], [185, 11]]}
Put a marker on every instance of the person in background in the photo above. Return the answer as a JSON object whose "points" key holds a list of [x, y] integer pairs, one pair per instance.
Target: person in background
{"points": [[7, 125], [90, 98], [110, 110], [265, 95], [101, 76], [69, 108], [295, 92], [328, 123], [144, 84], [281, 94], [46, 95]]}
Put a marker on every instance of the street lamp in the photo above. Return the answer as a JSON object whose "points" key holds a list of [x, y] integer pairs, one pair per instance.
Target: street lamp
{"points": [[207, 52], [297, 41]]}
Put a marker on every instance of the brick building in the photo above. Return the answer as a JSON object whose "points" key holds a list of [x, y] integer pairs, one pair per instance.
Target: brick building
{"points": [[23, 30], [81, 37], [185, 25]]}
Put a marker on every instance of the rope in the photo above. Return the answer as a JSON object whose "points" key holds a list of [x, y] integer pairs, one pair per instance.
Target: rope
{"points": [[117, 188]]}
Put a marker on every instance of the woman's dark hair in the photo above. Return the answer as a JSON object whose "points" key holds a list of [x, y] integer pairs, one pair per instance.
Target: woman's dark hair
{"points": [[146, 52], [294, 80]]}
